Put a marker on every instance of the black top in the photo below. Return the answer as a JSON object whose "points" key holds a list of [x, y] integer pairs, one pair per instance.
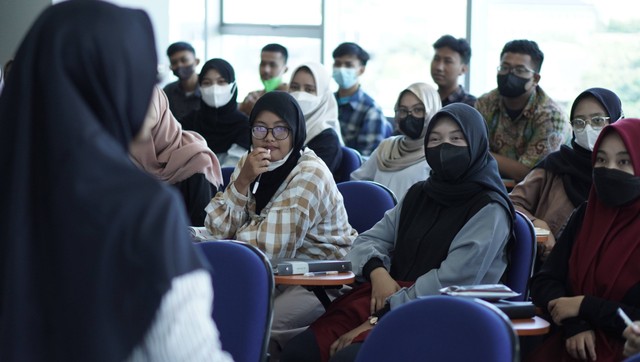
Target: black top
{"points": [[552, 281], [181, 103], [196, 192], [90, 243], [327, 146]]}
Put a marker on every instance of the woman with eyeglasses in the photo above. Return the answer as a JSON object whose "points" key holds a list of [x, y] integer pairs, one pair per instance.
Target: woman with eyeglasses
{"points": [[561, 181], [218, 120], [282, 199], [399, 162], [594, 269]]}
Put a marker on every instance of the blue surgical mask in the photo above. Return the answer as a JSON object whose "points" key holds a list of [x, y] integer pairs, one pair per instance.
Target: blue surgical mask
{"points": [[345, 77]]}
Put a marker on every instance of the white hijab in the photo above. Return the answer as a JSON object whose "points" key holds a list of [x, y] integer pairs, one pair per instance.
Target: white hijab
{"points": [[325, 115]]}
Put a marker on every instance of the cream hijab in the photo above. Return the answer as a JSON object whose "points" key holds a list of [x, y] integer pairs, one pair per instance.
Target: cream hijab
{"points": [[399, 152], [325, 115], [171, 154]]}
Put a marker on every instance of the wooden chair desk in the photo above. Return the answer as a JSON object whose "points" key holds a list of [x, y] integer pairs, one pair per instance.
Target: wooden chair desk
{"points": [[535, 326], [318, 283]]}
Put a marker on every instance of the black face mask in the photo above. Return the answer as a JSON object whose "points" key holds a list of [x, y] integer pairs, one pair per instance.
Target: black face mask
{"points": [[511, 86], [614, 187], [411, 126], [185, 72], [447, 161]]}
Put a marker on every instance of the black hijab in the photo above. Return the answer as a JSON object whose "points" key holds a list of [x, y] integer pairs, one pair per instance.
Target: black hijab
{"points": [[90, 243], [573, 163], [435, 210], [223, 126], [286, 107]]}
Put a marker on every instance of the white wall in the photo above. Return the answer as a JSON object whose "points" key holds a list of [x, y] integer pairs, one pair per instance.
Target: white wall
{"points": [[16, 17]]}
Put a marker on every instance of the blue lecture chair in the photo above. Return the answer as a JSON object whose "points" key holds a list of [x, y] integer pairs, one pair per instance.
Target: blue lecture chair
{"points": [[365, 202], [226, 176], [442, 328], [634, 358], [522, 257], [242, 297], [351, 161]]}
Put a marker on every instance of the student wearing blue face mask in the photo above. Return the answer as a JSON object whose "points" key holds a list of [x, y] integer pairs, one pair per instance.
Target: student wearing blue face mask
{"points": [[362, 122]]}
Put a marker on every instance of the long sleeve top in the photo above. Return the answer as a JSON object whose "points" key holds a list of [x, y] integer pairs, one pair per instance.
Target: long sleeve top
{"points": [[182, 329], [397, 181], [552, 282], [196, 193], [541, 195], [476, 255], [304, 219]]}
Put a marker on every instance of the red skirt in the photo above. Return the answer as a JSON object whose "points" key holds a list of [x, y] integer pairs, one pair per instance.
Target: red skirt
{"points": [[343, 315], [553, 349]]}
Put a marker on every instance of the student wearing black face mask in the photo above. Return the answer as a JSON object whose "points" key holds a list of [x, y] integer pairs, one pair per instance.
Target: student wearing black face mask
{"points": [[183, 94], [594, 269], [398, 162], [449, 229], [525, 124]]}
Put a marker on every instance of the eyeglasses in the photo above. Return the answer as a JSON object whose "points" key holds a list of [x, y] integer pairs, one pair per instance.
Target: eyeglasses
{"points": [[417, 112], [596, 123], [519, 70], [280, 132]]}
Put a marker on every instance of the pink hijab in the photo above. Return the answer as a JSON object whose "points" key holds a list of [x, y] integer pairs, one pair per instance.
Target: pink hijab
{"points": [[171, 154]]}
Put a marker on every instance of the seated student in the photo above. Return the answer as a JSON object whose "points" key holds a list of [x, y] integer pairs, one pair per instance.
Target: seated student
{"points": [[450, 229], [594, 269], [96, 263], [632, 345], [273, 65], [450, 61], [218, 120], [184, 93], [180, 158], [561, 181], [399, 161], [362, 122], [310, 87], [282, 199]]}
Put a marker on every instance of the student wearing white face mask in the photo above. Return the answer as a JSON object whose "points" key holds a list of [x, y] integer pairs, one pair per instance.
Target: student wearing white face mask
{"points": [[218, 120], [561, 181], [310, 87]]}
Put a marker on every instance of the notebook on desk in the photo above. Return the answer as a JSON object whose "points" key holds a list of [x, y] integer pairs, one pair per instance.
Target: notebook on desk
{"points": [[301, 266]]}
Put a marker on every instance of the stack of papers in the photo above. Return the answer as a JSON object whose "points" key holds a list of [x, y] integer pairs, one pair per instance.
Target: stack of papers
{"points": [[489, 292]]}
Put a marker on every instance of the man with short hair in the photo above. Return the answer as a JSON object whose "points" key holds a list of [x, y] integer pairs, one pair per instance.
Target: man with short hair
{"points": [[524, 124], [362, 122], [183, 94], [273, 65], [450, 61]]}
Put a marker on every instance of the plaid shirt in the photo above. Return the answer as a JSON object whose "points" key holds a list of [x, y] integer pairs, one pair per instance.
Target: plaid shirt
{"points": [[540, 129], [305, 219], [362, 122]]}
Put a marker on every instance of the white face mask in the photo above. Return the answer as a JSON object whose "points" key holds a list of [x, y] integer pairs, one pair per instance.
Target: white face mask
{"points": [[307, 101], [587, 137], [217, 96]]}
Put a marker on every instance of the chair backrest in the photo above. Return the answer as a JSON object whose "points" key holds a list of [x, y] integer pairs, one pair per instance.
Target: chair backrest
{"points": [[442, 328], [226, 176], [242, 299], [522, 256], [366, 202], [634, 358], [351, 161]]}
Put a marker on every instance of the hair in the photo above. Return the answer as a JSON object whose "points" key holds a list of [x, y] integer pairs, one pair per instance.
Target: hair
{"points": [[460, 46], [178, 47], [277, 48], [528, 47], [351, 49]]}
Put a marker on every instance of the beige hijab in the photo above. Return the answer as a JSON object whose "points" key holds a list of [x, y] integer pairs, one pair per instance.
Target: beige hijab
{"points": [[399, 152], [171, 154], [325, 115]]}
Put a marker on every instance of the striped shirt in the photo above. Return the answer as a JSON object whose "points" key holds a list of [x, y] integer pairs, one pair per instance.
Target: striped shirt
{"points": [[304, 219], [182, 329]]}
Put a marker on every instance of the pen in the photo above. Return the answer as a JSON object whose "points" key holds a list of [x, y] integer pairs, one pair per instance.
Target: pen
{"points": [[628, 321], [314, 274], [255, 186]]}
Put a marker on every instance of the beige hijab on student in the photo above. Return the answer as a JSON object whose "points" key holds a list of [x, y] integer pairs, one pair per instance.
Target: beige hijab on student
{"points": [[399, 152]]}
